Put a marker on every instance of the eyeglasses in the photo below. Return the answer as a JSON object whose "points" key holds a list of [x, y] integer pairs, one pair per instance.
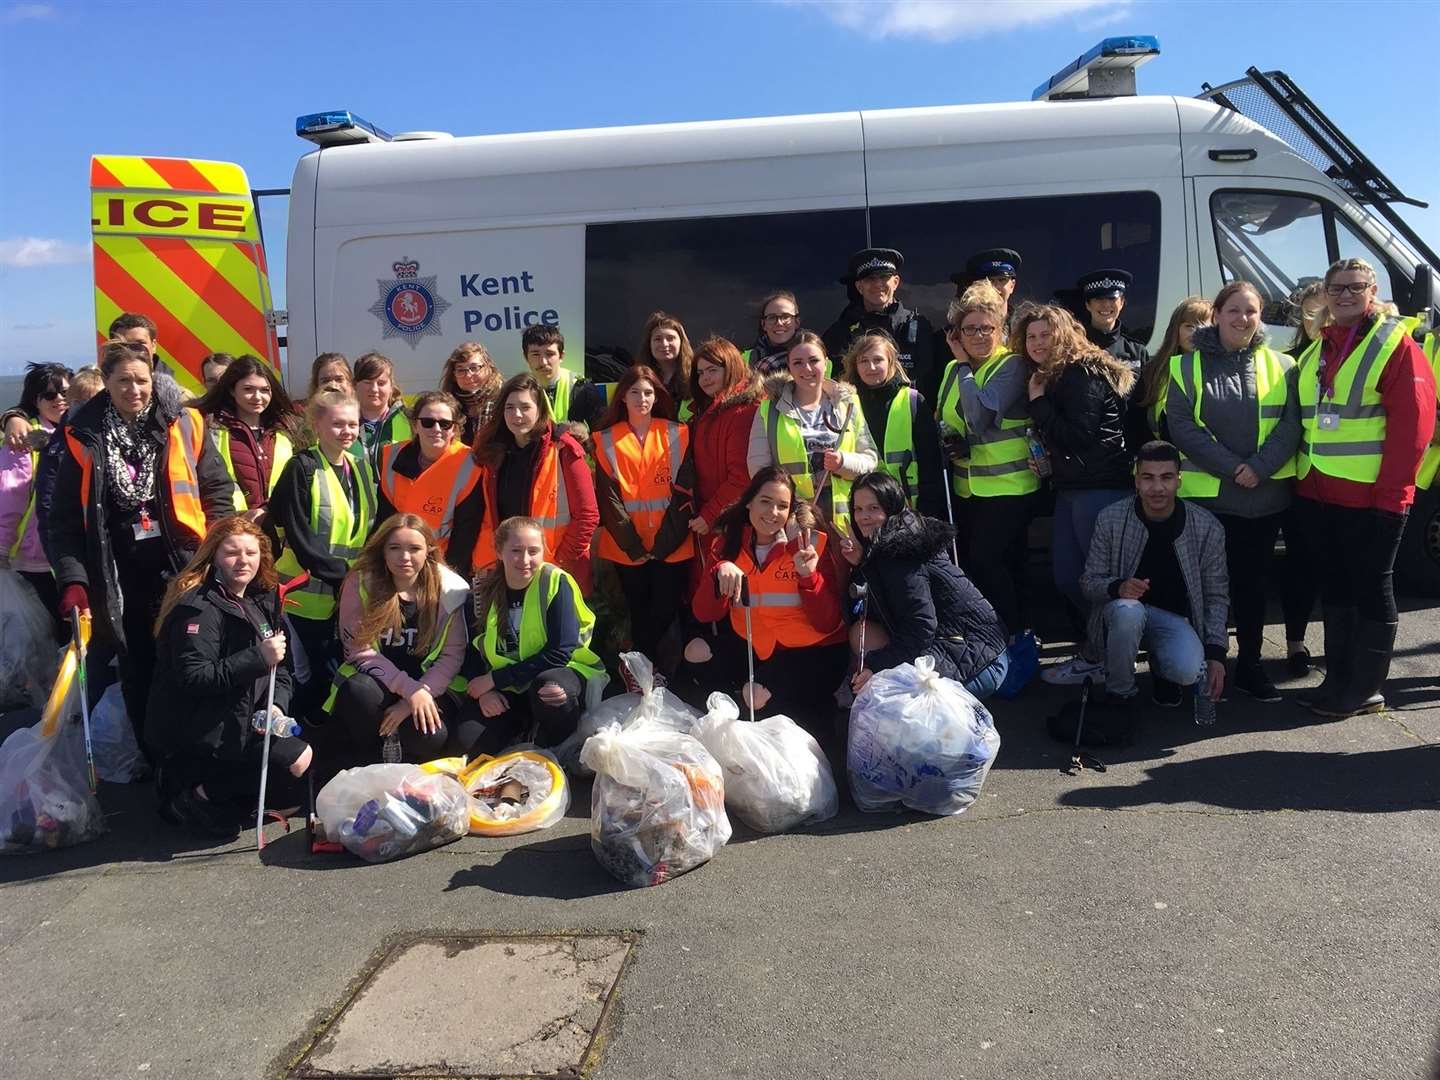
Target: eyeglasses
{"points": [[51, 395], [972, 331], [777, 320], [1357, 288], [471, 369], [435, 421]]}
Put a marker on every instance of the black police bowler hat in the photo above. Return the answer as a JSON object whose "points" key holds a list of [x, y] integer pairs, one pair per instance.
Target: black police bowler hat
{"points": [[1108, 282], [992, 262], [870, 261]]}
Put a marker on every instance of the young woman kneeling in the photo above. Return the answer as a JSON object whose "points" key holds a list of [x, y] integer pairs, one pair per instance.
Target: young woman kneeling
{"points": [[218, 637], [771, 549], [916, 601], [402, 625], [532, 643]]}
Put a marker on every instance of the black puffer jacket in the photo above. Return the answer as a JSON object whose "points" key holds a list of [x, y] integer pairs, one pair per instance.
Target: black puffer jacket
{"points": [[913, 334], [209, 675], [926, 602], [1081, 418]]}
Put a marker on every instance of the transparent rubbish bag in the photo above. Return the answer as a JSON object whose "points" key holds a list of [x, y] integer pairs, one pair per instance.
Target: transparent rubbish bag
{"points": [[657, 808], [112, 739], [384, 812], [517, 792], [776, 775], [28, 656], [652, 704], [45, 799], [918, 740]]}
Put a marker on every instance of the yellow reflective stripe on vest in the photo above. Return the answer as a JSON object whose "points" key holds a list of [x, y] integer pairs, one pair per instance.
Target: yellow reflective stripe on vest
{"points": [[347, 669], [1430, 463], [30, 503], [898, 454], [1351, 449], [279, 457], [1271, 394], [331, 519], [787, 450], [952, 417], [1000, 459], [560, 407], [533, 639]]}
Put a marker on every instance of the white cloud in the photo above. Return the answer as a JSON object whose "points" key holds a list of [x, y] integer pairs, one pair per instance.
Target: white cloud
{"points": [[952, 20], [23, 252], [17, 13]]}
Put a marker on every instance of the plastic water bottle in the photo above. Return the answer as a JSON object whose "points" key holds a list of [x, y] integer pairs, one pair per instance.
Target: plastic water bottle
{"points": [[1038, 454], [390, 752], [1204, 705], [280, 726]]}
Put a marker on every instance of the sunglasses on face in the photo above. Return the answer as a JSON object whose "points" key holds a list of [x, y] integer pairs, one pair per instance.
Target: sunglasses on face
{"points": [[436, 422], [51, 395]]}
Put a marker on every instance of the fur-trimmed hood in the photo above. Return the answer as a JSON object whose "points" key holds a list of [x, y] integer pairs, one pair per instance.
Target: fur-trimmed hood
{"points": [[782, 385], [738, 396], [89, 419], [911, 537]]}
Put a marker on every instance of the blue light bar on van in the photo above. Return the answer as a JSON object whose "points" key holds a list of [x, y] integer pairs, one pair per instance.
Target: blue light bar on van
{"points": [[339, 127], [1107, 70]]}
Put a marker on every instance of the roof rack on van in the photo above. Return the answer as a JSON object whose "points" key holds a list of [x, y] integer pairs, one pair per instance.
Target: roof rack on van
{"points": [[1273, 100], [1107, 70]]}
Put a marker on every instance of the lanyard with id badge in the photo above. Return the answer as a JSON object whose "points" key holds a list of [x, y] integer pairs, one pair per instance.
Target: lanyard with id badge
{"points": [[146, 527], [1327, 413]]}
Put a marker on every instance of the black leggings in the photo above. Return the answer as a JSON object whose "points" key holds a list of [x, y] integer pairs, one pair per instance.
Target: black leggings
{"points": [[654, 592], [1361, 545], [998, 550], [802, 682], [1249, 552], [360, 704], [322, 655], [142, 588], [1299, 586], [529, 719], [233, 780]]}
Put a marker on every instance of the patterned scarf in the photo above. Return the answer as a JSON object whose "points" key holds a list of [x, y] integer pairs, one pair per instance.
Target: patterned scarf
{"points": [[130, 455]]}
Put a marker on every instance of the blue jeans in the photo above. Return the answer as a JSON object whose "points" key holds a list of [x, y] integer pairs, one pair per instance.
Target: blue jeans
{"points": [[1074, 525], [988, 681], [1176, 652]]}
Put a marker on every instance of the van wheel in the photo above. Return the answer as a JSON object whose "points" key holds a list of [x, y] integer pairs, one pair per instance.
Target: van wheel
{"points": [[1417, 564]]}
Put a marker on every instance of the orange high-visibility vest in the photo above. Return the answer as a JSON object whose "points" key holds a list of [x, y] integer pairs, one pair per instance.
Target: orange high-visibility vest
{"points": [[549, 504], [436, 492], [777, 617], [645, 473], [183, 446]]}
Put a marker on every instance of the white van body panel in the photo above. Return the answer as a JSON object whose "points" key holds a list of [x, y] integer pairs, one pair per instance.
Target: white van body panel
{"points": [[495, 225]]}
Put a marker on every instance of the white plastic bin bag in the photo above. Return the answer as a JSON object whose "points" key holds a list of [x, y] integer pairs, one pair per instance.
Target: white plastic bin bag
{"points": [[918, 740], [28, 656], [653, 705], [776, 775], [45, 800], [384, 812], [112, 739], [658, 805]]}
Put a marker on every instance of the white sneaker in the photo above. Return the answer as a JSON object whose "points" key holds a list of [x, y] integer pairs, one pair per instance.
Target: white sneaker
{"points": [[1074, 672]]}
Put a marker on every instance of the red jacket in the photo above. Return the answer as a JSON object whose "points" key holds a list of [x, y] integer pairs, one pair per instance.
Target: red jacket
{"points": [[719, 442], [573, 552], [1407, 387]]}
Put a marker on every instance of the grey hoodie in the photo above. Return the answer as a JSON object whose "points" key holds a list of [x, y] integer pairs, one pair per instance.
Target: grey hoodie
{"points": [[1229, 436]]}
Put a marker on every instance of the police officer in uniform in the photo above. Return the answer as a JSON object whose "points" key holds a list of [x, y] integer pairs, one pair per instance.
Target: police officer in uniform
{"points": [[1104, 294], [874, 277], [999, 266]]}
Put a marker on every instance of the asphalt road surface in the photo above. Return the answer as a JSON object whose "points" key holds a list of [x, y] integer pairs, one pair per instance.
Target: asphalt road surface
{"points": [[1253, 900]]}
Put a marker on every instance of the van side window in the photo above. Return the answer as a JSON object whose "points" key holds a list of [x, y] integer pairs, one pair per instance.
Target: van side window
{"points": [[1059, 237], [1281, 241], [711, 273]]}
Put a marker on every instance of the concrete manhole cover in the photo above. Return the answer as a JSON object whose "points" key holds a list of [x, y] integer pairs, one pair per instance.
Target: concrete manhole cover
{"points": [[474, 1007]]}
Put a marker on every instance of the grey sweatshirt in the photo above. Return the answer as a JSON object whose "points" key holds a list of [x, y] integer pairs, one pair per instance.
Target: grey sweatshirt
{"points": [[1005, 394], [1230, 433]]}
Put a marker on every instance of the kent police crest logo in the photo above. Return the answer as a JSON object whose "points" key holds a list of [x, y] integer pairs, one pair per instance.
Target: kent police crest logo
{"points": [[409, 307]]}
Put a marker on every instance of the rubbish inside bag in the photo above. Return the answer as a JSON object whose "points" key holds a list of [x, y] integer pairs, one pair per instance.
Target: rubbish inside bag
{"points": [[918, 740], [776, 775], [28, 655], [518, 792], [652, 704], [384, 812], [45, 799], [657, 808]]}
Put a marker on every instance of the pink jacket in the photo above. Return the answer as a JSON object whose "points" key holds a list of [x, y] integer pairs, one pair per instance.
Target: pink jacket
{"points": [[454, 596], [16, 476]]}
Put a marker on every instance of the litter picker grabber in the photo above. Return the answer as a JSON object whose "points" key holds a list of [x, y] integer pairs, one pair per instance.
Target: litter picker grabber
{"points": [[294, 583], [948, 478], [749, 646], [80, 627], [863, 592], [1079, 760]]}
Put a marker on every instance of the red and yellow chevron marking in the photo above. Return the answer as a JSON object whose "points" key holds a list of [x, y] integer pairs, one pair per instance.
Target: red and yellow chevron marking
{"points": [[178, 240]]}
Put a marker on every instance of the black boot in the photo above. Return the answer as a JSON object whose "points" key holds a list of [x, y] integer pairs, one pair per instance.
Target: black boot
{"points": [[1250, 678], [1370, 666], [1339, 624]]}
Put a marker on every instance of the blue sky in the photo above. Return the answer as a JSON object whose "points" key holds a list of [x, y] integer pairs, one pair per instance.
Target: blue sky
{"points": [[226, 81]]}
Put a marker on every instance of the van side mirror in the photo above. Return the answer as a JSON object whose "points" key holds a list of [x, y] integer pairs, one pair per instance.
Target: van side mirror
{"points": [[1422, 290]]}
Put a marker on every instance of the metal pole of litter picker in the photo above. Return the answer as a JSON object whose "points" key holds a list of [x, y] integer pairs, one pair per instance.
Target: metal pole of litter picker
{"points": [[1075, 762], [75, 618], [749, 647], [949, 478], [286, 586]]}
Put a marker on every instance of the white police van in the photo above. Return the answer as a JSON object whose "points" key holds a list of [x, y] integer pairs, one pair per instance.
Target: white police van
{"points": [[412, 243]]}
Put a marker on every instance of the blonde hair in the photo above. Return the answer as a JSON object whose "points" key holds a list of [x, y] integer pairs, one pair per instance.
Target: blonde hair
{"points": [[489, 588], [981, 296], [85, 384], [1339, 266], [874, 339], [1069, 345], [324, 403], [381, 606]]}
